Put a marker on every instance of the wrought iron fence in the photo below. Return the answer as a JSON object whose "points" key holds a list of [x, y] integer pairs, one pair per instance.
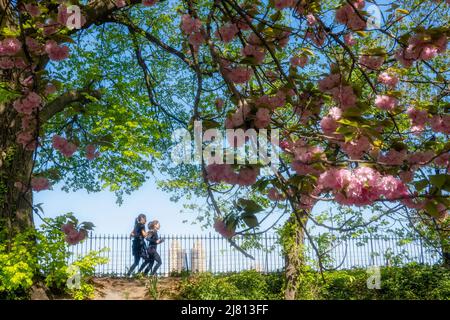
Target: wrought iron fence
{"points": [[214, 254]]}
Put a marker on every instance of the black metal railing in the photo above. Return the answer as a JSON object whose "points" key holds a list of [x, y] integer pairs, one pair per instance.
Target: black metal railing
{"points": [[216, 255]]}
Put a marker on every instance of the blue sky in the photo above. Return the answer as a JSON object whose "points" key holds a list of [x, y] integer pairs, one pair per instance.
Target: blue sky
{"points": [[110, 218]]}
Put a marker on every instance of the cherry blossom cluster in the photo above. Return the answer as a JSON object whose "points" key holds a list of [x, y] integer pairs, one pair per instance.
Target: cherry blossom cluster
{"points": [[72, 235], [246, 176]]}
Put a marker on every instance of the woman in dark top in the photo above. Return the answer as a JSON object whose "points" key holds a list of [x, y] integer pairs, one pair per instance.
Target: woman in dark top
{"points": [[138, 235], [152, 255]]}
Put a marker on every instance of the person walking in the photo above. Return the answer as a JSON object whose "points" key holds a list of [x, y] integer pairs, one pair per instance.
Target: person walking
{"points": [[152, 254], [138, 235]]}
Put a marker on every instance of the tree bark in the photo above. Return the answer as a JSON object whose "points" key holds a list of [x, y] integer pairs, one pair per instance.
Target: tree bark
{"points": [[15, 165], [293, 239]]}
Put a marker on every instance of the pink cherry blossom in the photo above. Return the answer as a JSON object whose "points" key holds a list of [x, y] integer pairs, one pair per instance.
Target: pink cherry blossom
{"points": [[91, 152], [65, 147], [6, 63], [388, 79], [421, 157], [421, 46], [328, 125], [196, 39], [349, 40], [348, 16], [149, 3], [418, 117], [34, 46], [254, 51], [56, 52], [223, 229], [299, 61], [311, 19], [344, 95], [442, 160], [190, 24], [67, 228], [120, 3], [31, 102], [239, 74], [356, 148], [329, 82], [406, 176], [274, 195], [282, 4], [247, 176], [440, 123], [371, 62], [393, 157], [40, 184], [33, 9], [227, 32], [392, 188], [10, 47], [318, 37], [386, 102], [27, 140], [262, 118]]}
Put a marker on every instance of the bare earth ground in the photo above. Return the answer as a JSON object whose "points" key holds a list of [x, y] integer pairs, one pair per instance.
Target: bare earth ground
{"points": [[135, 289]]}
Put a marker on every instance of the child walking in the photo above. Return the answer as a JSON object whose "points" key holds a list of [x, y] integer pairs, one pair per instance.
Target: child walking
{"points": [[152, 255]]}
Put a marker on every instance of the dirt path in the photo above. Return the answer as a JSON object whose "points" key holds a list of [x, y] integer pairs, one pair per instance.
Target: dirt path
{"points": [[135, 289]]}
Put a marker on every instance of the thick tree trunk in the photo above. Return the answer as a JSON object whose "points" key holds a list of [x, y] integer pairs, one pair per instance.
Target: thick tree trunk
{"points": [[15, 165], [293, 238]]}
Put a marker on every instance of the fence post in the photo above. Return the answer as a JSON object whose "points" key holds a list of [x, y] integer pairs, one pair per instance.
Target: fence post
{"points": [[210, 253], [371, 251], [422, 260], [267, 254]]}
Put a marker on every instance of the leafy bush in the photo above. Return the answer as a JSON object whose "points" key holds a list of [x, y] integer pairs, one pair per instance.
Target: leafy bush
{"points": [[42, 255], [245, 285], [86, 267], [16, 269], [408, 282]]}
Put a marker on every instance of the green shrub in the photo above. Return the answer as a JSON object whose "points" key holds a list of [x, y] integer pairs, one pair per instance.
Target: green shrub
{"points": [[408, 282], [16, 269], [205, 286], [42, 255], [246, 285]]}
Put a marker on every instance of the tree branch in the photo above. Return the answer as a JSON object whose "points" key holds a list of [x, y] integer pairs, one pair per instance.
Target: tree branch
{"points": [[61, 102]]}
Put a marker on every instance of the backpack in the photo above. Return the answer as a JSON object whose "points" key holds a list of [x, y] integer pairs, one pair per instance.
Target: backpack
{"points": [[144, 251]]}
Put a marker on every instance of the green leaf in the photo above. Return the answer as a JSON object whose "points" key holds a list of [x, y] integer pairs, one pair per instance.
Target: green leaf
{"points": [[249, 206], [210, 124], [421, 184], [438, 180], [431, 209], [251, 221], [403, 11]]}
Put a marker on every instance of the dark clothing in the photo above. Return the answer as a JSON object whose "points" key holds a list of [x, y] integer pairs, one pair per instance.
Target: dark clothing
{"points": [[152, 239], [151, 255], [138, 239], [137, 259], [137, 246]]}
